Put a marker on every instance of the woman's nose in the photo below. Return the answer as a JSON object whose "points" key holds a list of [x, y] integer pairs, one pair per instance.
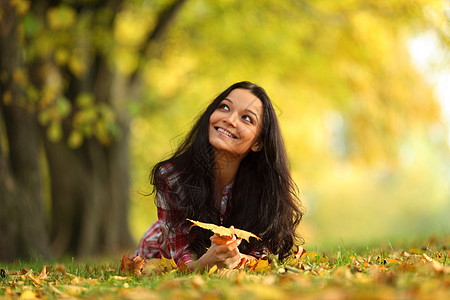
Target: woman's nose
{"points": [[231, 119]]}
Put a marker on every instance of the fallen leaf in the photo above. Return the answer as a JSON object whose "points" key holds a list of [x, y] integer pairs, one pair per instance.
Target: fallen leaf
{"points": [[227, 273], [60, 269], [91, 282], [27, 294], [182, 267], [212, 270], [241, 277], [132, 265], [312, 256], [57, 291], [390, 261], [262, 265], [292, 269], [197, 281], [220, 230], [158, 266], [427, 258], [43, 274], [118, 278], [259, 291], [34, 279], [74, 290], [75, 279], [172, 284], [138, 293], [440, 268], [25, 272]]}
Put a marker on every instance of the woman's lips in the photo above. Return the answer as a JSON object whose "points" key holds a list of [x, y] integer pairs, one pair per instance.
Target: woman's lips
{"points": [[225, 132]]}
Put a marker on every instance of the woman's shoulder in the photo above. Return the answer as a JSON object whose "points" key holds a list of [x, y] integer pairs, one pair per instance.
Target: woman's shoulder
{"points": [[165, 169], [167, 173]]}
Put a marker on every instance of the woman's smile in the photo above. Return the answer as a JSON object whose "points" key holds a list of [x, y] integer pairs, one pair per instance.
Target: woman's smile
{"points": [[225, 132]]}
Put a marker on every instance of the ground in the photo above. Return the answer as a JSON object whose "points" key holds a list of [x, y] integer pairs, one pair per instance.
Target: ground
{"points": [[417, 271]]}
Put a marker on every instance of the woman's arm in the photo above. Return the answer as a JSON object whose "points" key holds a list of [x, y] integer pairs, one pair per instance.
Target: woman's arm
{"points": [[176, 236]]}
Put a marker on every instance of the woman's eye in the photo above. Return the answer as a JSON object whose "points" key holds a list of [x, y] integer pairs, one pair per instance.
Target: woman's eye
{"points": [[224, 106], [248, 119]]}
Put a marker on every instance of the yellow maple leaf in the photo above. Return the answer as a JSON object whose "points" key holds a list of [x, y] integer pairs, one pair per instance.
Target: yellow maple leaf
{"points": [[220, 230]]}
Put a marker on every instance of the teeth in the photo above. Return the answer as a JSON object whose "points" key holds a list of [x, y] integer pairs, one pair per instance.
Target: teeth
{"points": [[225, 132]]}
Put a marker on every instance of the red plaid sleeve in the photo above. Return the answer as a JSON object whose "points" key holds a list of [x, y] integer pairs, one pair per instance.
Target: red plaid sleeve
{"points": [[175, 236]]}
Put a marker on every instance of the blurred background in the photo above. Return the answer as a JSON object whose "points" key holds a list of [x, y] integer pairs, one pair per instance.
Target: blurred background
{"points": [[95, 92]]}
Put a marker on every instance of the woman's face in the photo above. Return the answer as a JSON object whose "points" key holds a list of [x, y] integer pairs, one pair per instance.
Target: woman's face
{"points": [[234, 127]]}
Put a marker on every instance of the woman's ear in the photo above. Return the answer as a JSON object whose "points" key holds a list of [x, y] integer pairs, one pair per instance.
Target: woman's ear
{"points": [[257, 147]]}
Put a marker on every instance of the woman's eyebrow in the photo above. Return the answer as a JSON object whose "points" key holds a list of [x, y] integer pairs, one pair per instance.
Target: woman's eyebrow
{"points": [[247, 109], [252, 112]]}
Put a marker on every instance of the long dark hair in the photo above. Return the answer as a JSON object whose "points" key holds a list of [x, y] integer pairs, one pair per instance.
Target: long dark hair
{"points": [[264, 196]]}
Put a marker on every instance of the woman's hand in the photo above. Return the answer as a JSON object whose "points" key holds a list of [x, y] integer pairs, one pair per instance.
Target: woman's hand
{"points": [[224, 240], [223, 253]]}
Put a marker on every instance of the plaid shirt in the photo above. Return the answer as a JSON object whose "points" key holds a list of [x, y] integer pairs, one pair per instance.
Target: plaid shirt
{"points": [[158, 241]]}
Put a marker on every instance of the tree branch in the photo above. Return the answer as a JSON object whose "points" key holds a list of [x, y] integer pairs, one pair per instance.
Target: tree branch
{"points": [[165, 18]]}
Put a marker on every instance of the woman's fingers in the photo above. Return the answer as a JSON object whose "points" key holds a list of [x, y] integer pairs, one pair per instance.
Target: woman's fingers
{"points": [[231, 247], [222, 240], [217, 239], [242, 262], [227, 255], [224, 250], [233, 262]]}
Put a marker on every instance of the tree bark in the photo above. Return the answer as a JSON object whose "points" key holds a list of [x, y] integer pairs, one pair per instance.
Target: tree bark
{"points": [[90, 201], [22, 218], [95, 200], [89, 185]]}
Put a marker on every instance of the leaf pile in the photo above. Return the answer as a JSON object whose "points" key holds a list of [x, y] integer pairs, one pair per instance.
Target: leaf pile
{"points": [[387, 272]]}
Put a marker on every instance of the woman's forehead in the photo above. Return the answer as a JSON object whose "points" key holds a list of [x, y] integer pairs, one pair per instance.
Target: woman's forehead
{"points": [[245, 98]]}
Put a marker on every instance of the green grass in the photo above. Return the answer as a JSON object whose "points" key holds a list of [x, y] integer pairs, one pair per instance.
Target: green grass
{"points": [[417, 270]]}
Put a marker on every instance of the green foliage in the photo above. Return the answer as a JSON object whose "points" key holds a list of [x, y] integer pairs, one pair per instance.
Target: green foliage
{"points": [[357, 117]]}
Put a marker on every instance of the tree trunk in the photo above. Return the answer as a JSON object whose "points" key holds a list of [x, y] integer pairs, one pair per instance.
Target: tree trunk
{"points": [[22, 218], [89, 185], [90, 199]]}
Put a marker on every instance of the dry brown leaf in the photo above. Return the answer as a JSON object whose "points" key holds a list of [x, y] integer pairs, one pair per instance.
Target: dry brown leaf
{"points": [[34, 279], [220, 230], [43, 274], [134, 265], [158, 266]]}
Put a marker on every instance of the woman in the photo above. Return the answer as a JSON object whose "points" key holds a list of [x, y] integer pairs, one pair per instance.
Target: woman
{"points": [[230, 170]]}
